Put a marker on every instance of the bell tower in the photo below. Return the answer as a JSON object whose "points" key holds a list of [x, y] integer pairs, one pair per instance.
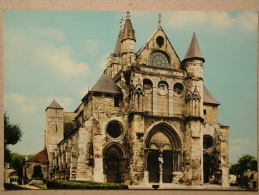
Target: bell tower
{"points": [[193, 151], [54, 126]]}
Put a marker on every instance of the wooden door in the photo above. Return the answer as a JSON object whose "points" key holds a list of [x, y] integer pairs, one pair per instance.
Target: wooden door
{"points": [[153, 166]]}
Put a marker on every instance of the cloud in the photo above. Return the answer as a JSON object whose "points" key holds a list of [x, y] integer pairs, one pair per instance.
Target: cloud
{"points": [[241, 146], [103, 60], [25, 104], [30, 48], [92, 47], [51, 33], [182, 19], [83, 92]]}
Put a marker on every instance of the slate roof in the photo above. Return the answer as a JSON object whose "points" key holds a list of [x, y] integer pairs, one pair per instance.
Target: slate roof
{"points": [[194, 49], [128, 31], [105, 84], [55, 105], [117, 49], [41, 156], [208, 98]]}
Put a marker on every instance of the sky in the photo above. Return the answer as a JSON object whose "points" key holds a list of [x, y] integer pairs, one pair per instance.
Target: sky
{"points": [[61, 54]]}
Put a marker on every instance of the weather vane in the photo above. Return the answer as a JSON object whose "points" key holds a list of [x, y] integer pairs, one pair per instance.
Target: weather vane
{"points": [[159, 20], [121, 21], [128, 14]]}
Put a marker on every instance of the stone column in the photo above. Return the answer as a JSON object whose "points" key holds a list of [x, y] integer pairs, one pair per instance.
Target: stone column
{"points": [[146, 173], [98, 170], [193, 165], [170, 101], [224, 156], [137, 146], [155, 108]]}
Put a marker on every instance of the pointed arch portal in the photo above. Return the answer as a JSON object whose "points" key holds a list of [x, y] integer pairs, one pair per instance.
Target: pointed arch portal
{"points": [[162, 154], [115, 163]]}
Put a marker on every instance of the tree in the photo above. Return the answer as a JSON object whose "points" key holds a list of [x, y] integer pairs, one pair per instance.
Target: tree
{"points": [[247, 162], [17, 163], [12, 135], [244, 163]]}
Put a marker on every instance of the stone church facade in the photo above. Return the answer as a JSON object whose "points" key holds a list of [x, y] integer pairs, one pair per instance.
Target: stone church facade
{"points": [[148, 119]]}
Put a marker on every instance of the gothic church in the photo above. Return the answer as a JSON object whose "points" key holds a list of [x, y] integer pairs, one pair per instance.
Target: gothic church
{"points": [[148, 119]]}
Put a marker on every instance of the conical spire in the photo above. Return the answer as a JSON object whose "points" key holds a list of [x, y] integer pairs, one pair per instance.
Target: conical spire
{"points": [[128, 31], [194, 50], [117, 49], [54, 105]]}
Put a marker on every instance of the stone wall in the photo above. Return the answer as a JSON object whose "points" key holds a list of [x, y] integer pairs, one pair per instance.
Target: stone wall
{"points": [[211, 113]]}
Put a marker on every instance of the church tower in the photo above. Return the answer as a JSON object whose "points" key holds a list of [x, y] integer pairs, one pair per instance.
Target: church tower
{"points": [[193, 65], [54, 126], [128, 41]]}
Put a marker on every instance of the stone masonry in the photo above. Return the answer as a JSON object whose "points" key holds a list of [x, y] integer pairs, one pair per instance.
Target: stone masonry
{"points": [[148, 119]]}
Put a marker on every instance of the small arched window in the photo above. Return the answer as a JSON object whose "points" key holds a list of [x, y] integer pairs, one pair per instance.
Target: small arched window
{"points": [[147, 85], [162, 88], [207, 141]]}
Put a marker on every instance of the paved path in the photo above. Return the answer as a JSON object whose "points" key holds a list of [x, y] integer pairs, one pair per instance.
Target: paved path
{"points": [[29, 187], [184, 187]]}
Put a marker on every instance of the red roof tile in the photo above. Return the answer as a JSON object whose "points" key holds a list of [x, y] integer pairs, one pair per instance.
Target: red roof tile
{"points": [[41, 156]]}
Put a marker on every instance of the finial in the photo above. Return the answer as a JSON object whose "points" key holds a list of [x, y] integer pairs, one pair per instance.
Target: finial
{"points": [[159, 20], [121, 21], [128, 15]]}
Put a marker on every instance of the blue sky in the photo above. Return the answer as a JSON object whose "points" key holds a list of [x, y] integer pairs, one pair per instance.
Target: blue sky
{"points": [[61, 54]]}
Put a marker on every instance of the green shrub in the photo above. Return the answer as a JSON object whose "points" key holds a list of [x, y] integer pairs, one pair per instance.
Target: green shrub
{"points": [[60, 184]]}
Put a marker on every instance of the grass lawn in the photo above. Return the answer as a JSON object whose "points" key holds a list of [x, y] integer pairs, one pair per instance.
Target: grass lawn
{"points": [[59, 184]]}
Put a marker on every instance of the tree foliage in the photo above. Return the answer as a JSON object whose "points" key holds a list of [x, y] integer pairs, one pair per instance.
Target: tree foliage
{"points": [[245, 162], [12, 135], [17, 162]]}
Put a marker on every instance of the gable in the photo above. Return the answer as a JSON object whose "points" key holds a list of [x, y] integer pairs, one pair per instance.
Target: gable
{"points": [[156, 44]]}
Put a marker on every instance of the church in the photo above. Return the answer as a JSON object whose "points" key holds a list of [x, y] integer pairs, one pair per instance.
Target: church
{"points": [[149, 119]]}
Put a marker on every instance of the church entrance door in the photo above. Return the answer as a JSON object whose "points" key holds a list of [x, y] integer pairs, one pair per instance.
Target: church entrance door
{"points": [[113, 164], [167, 166], [113, 174], [163, 154], [153, 166]]}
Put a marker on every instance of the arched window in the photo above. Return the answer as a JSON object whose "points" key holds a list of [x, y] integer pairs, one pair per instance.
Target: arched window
{"points": [[207, 141], [162, 86], [158, 58], [148, 97], [147, 85], [162, 99]]}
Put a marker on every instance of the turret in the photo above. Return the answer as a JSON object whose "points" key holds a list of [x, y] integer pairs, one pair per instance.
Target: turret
{"points": [[193, 61], [193, 64], [128, 39], [54, 126]]}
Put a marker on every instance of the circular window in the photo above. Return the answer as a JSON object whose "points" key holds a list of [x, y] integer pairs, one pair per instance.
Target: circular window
{"points": [[178, 88], [160, 41], [114, 130], [207, 141]]}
